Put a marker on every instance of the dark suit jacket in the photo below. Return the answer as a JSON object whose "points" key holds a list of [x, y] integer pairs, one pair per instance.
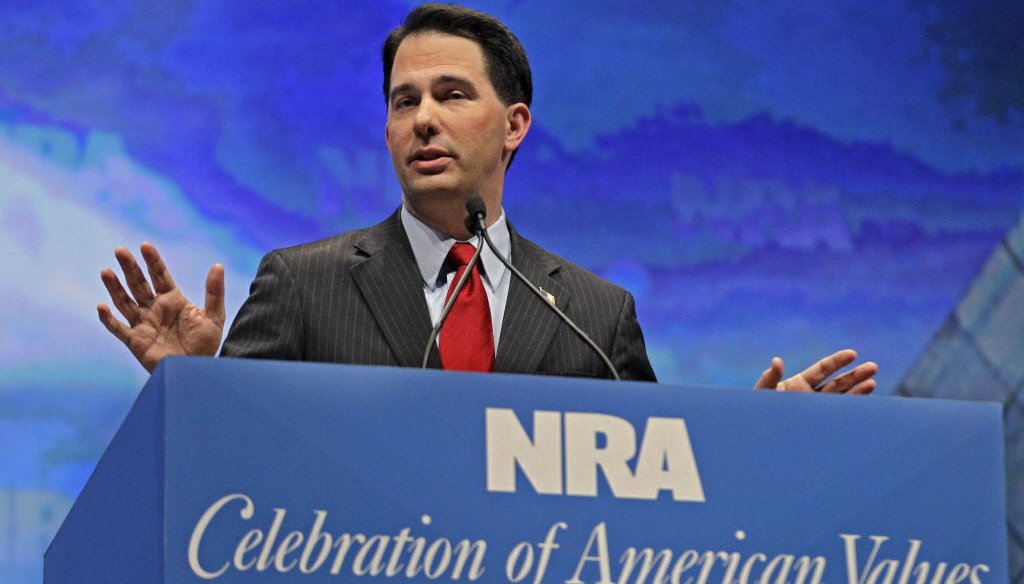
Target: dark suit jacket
{"points": [[358, 298]]}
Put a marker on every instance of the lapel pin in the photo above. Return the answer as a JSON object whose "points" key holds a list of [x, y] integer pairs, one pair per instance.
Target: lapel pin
{"points": [[548, 296]]}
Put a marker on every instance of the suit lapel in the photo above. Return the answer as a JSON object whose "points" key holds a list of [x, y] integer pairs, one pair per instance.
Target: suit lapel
{"points": [[528, 326], [391, 284]]}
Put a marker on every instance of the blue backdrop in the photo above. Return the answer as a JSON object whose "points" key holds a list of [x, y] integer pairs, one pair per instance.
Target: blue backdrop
{"points": [[767, 178]]}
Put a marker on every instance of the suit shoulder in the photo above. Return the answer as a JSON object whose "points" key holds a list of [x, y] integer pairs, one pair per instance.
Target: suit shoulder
{"points": [[333, 245]]}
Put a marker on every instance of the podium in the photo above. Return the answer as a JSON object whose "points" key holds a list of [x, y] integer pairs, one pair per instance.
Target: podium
{"points": [[258, 471]]}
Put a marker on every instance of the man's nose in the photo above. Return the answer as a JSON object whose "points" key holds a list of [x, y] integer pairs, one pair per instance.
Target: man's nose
{"points": [[425, 121]]}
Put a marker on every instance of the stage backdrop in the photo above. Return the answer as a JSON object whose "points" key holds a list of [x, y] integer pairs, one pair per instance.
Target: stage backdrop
{"points": [[767, 178]]}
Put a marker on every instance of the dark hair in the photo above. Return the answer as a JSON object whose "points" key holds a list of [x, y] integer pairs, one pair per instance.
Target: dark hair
{"points": [[504, 56]]}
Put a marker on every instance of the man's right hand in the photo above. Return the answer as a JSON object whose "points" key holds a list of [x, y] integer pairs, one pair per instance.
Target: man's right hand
{"points": [[161, 321]]}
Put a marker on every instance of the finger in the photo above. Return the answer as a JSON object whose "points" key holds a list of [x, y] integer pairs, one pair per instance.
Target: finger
{"points": [[864, 387], [214, 305], [158, 272], [823, 369], [124, 303], [116, 327], [771, 376], [133, 276], [852, 379], [765, 380]]}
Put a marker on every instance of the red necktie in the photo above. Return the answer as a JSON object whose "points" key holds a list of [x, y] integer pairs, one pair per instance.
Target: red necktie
{"points": [[467, 339]]}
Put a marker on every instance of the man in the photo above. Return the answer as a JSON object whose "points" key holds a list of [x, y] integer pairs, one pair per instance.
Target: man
{"points": [[458, 88]]}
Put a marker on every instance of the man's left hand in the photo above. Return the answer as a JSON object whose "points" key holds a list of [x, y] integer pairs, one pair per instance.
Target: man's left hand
{"points": [[857, 380]]}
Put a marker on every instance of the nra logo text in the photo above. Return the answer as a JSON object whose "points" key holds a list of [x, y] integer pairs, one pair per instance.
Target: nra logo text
{"points": [[568, 449]]}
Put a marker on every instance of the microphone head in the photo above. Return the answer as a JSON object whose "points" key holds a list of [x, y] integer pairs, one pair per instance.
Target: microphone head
{"points": [[477, 213]]}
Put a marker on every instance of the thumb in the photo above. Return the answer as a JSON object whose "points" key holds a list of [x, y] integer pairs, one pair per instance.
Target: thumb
{"points": [[772, 376], [214, 306]]}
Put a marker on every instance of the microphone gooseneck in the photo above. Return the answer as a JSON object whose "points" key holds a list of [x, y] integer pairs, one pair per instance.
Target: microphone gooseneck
{"points": [[475, 224]]}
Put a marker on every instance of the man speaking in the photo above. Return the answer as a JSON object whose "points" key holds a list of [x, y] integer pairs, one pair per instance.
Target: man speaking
{"points": [[458, 88]]}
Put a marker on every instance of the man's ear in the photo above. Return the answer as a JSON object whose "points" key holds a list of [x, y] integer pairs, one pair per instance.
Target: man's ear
{"points": [[387, 137], [517, 124]]}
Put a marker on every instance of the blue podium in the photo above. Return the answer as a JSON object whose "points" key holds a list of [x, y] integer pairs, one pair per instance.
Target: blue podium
{"points": [[258, 471]]}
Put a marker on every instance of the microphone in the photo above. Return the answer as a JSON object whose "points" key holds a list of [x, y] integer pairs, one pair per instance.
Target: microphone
{"points": [[451, 298], [477, 213], [475, 224]]}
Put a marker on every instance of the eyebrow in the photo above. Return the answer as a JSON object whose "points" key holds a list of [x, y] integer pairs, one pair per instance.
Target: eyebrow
{"points": [[399, 89], [443, 79]]}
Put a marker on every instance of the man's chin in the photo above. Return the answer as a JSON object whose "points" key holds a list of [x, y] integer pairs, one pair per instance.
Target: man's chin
{"points": [[435, 187]]}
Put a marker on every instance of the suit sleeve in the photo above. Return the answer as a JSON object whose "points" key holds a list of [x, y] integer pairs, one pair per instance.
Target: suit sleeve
{"points": [[269, 325], [629, 352]]}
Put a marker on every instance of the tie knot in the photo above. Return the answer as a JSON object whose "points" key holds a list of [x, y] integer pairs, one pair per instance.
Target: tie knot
{"points": [[460, 253]]}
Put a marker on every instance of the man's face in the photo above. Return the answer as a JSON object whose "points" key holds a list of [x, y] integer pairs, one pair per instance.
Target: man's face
{"points": [[448, 133]]}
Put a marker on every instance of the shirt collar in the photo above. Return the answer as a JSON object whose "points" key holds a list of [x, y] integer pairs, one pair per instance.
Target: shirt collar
{"points": [[430, 247]]}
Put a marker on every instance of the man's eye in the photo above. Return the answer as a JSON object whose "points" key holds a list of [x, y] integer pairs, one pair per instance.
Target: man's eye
{"points": [[456, 95], [403, 102]]}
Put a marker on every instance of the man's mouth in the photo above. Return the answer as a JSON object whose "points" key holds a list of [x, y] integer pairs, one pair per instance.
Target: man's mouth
{"points": [[430, 159], [430, 154]]}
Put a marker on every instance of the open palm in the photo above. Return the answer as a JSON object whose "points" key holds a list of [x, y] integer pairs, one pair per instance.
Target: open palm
{"points": [[858, 380], [160, 320]]}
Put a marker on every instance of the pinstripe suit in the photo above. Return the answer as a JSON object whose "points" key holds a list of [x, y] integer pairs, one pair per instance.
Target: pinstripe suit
{"points": [[358, 298]]}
